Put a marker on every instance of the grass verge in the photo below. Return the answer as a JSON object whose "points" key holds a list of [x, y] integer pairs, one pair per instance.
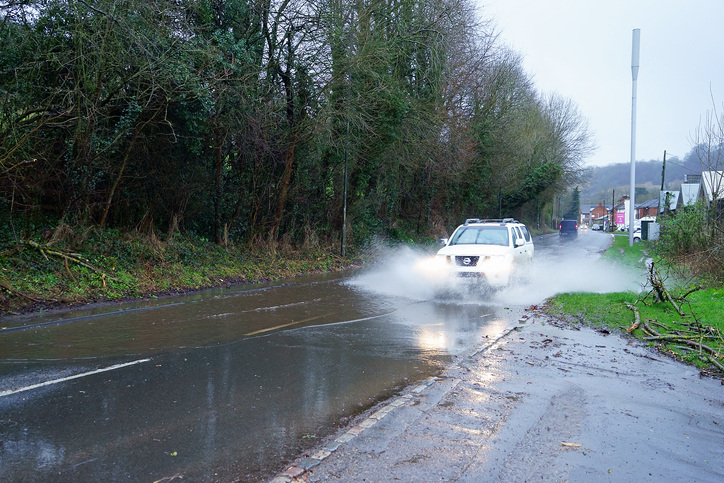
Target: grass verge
{"points": [[88, 267], [690, 329]]}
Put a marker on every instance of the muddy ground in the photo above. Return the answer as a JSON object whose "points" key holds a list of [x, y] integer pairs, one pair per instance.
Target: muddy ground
{"points": [[543, 403]]}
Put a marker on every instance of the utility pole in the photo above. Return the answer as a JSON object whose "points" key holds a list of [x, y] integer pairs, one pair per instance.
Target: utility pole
{"points": [[663, 172], [634, 77]]}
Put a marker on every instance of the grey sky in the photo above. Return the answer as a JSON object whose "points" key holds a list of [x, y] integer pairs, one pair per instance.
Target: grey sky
{"points": [[581, 49]]}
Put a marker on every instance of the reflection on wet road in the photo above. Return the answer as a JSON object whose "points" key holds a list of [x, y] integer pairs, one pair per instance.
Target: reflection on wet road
{"points": [[220, 385], [197, 321], [236, 380]]}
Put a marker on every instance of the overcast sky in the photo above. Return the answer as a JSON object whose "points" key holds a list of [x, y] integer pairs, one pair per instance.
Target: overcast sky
{"points": [[581, 49]]}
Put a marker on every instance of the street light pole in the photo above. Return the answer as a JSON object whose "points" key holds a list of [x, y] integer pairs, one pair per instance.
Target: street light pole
{"points": [[634, 77], [346, 157], [344, 193]]}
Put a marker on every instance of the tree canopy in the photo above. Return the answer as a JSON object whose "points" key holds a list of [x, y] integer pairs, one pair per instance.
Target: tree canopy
{"points": [[236, 119]]}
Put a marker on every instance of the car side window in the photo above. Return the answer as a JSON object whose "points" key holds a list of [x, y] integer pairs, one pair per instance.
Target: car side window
{"points": [[526, 233], [517, 231]]}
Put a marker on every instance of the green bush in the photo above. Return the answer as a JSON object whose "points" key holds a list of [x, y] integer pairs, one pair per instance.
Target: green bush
{"points": [[690, 242], [683, 233]]}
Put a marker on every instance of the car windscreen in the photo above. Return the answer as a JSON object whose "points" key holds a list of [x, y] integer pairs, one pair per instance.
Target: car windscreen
{"points": [[481, 235]]}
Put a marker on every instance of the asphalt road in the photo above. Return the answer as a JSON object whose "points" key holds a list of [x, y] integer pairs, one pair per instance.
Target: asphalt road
{"points": [[232, 384]]}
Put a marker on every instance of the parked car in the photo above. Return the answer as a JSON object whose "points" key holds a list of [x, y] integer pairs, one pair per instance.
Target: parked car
{"points": [[488, 249], [568, 228], [637, 235]]}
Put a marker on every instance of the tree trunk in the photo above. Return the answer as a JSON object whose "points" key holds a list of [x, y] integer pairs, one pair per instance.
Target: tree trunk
{"points": [[118, 179], [286, 178], [218, 188]]}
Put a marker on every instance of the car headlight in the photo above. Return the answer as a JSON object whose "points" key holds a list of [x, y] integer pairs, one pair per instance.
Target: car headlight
{"points": [[499, 262], [431, 265]]}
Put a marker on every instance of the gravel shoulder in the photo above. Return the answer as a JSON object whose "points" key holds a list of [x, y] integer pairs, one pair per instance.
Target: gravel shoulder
{"points": [[543, 403]]}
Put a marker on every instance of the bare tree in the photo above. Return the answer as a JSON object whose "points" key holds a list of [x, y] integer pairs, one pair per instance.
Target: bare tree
{"points": [[709, 148]]}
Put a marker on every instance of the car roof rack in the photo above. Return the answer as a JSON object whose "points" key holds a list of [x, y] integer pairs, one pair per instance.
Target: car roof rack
{"points": [[490, 220]]}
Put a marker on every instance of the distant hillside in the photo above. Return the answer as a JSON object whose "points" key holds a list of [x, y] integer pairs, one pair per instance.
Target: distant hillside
{"points": [[602, 180]]}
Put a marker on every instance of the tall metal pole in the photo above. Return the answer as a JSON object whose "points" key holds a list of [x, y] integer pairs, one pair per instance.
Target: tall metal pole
{"points": [[346, 155], [613, 206], [634, 77], [344, 195]]}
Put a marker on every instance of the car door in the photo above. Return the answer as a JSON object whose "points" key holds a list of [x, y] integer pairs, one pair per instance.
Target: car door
{"points": [[529, 247], [519, 244]]}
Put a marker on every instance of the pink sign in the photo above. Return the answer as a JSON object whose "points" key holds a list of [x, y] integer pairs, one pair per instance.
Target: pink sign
{"points": [[620, 217]]}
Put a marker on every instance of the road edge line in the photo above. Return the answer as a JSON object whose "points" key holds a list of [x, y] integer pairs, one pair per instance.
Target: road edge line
{"points": [[75, 376]]}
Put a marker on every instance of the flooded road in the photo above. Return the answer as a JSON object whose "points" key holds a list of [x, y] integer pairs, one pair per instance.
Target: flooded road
{"points": [[231, 383]]}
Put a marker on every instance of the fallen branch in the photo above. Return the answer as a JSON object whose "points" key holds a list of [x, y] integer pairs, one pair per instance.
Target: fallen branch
{"points": [[72, 257], [570, 445], [650, 331], [693, 289], [662, 293], [659, 324], [716, 363], [693, 334], [2, 285], [694, 344], [676, 337], [637, 317]]}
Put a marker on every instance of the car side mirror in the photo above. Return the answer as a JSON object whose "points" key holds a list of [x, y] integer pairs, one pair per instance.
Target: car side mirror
{"points": [[519, 242], [443, 241]]}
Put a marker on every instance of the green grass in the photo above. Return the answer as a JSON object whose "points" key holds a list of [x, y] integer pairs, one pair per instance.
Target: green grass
{"points": [[132, 266], [701, 323], [622, 254]]}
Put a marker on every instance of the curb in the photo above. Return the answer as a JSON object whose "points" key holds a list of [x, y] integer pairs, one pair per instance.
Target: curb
{"points": [[299, 468]]}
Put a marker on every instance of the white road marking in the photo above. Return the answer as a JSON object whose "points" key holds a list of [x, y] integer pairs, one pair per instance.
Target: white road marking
{"points": [[76, 376]]}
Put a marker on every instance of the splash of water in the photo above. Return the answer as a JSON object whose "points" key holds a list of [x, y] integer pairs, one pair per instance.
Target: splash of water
{"points": [[549, 275], [396, 272], [413, 274]]}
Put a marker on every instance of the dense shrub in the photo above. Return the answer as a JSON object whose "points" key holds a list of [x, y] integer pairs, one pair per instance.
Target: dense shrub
{"points": [[692, 243]]}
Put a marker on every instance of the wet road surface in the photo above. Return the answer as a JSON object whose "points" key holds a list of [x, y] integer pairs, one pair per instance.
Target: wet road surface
{"points": [[232, 383], [542, 404]]}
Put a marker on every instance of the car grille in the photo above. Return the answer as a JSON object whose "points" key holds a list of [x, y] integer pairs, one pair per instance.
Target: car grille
{"points": [[466, 261]]}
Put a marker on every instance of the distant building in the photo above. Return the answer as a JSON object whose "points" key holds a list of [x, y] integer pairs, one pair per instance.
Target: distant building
{"points": [[691, 189], [620, 212], [712, 191], [585, 218], [599, 215], [599, 211], [647, 208]]}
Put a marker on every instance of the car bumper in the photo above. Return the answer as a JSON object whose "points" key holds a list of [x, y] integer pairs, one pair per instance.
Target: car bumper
{"points": [[494, 278]]}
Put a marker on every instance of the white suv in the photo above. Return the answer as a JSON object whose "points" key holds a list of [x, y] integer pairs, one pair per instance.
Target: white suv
{"points": [[488, 248]]}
